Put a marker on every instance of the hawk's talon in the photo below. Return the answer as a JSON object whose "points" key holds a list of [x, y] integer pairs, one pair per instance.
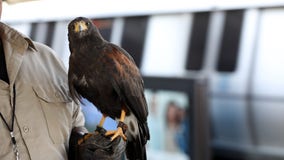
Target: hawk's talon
{"points": [[116, 133]]}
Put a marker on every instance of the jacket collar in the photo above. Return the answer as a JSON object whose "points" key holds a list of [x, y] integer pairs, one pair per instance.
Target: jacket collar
{"points": [[15, 45], [19, 41]]}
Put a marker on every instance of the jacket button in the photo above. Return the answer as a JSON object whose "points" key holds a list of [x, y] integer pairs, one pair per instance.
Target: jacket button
{"points": [[57, 94], [26, 129]]}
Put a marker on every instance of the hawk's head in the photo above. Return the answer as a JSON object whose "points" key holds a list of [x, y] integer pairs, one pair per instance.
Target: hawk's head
{"points": [[81, 26]]}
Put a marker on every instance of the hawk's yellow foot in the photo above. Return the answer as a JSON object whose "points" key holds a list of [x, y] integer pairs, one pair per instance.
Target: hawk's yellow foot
{"points": [[116, 133]]}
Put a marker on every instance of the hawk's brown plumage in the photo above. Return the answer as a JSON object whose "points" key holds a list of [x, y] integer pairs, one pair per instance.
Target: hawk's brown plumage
{"points": [[107, 76]]}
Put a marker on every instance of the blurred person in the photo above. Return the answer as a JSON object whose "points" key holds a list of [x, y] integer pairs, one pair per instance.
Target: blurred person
{"points": [[173, 121], [182, 137], [38, 119]]}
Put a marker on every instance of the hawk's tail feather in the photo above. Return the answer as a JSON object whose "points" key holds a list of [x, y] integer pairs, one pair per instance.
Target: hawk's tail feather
{"points": [[136, 148]]}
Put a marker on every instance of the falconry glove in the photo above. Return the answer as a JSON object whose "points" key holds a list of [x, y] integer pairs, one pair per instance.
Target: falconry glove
{"points": [[95, 146]]}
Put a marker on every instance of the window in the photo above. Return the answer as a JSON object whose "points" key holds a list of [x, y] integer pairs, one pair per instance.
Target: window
{"points": [[133, 37], [104, 26], [189, 94], [43, 32]]}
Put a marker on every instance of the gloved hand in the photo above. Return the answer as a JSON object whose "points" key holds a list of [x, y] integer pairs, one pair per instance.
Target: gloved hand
{"points": [[95, 146]]}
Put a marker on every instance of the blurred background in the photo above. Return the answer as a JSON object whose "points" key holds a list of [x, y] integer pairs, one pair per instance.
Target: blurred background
{"points": [[213, 71]]}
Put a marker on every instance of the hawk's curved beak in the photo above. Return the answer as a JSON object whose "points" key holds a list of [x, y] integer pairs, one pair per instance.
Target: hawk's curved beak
{"points": [[80, 26]]}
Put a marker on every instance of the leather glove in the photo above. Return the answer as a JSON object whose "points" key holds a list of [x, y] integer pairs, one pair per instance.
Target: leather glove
{"points": [[95, 146]]}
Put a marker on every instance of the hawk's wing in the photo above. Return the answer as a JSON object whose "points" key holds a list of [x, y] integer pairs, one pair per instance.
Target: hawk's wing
{"points": [[128, 83]]}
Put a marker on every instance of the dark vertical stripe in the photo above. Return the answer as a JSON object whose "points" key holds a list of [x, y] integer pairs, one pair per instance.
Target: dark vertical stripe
{"points": [[230, 41], [50, 33], [33, 31], [3, 68], [133, 37], [197, 42]]}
